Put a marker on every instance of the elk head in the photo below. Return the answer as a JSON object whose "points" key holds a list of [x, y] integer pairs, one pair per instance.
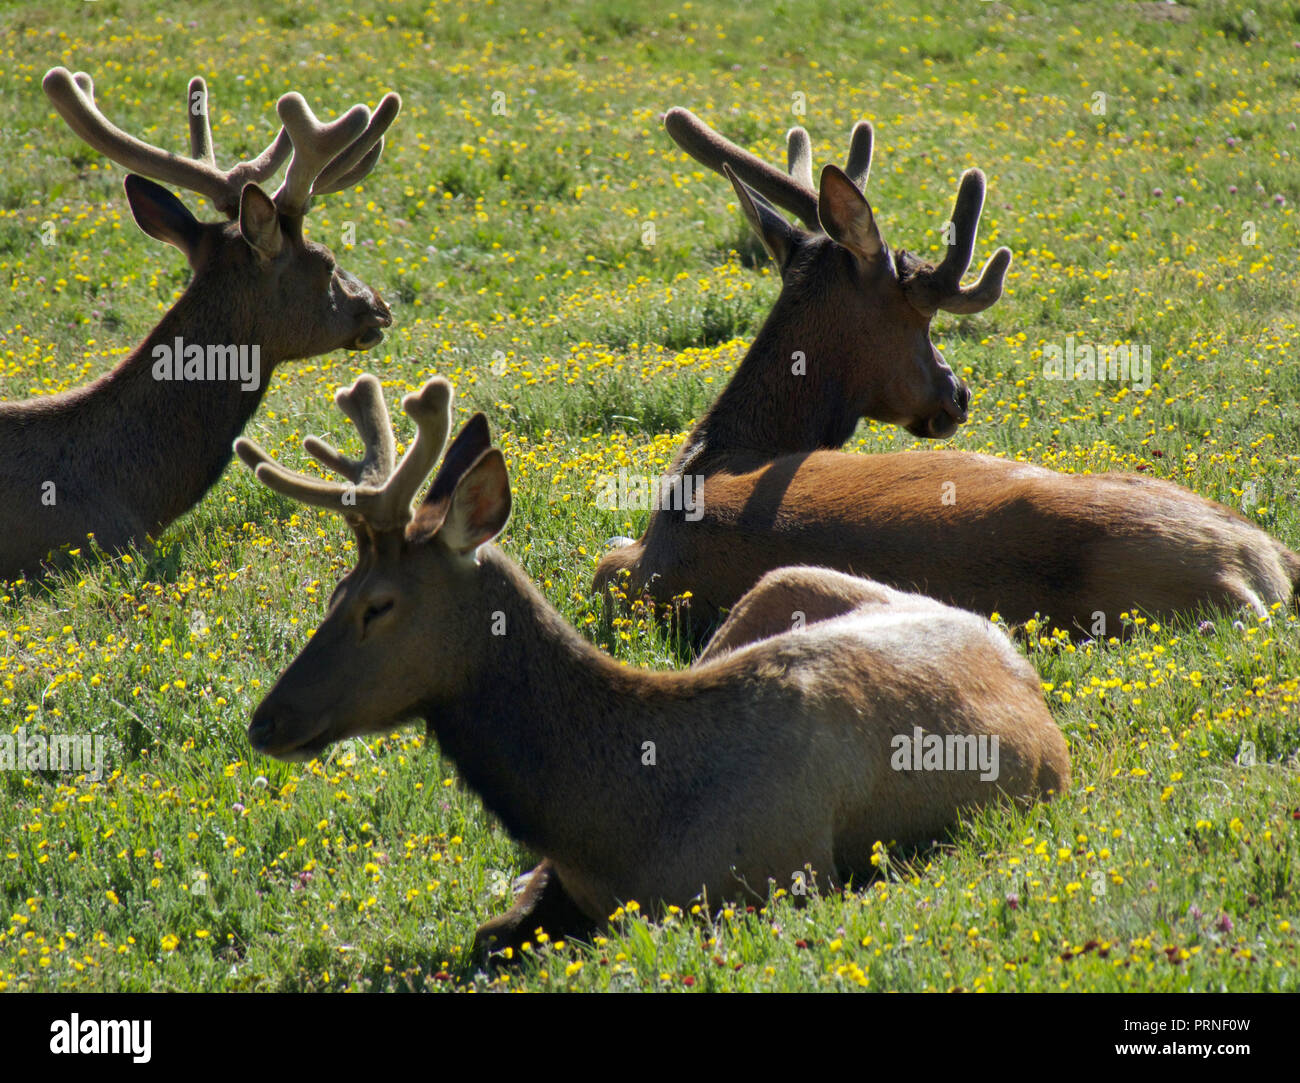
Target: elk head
{"points": [[389, 648], [845, 293], [259, 276]]}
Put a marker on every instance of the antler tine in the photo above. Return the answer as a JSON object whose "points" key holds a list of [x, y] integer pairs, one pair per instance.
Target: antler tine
{"points": [[315, 145], [861, 145], [200, 127], [430, 409], [987, 288], [356, 173], [940, 287], [254, 170], [260, 169], [965, 221], [73, 96], [359, 158], [798, 156], [377, 494], [709, 148], [329, 495], [363, 404], [300, 487]]}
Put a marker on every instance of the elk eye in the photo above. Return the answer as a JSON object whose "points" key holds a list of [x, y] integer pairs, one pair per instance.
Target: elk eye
{"points": [[376, 609]]}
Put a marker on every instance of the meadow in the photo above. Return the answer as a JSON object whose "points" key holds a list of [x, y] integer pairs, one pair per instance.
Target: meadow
{"points": [[546, 247]]}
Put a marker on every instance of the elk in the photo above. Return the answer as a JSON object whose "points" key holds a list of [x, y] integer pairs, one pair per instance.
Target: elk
{"points": [[971, 530], [654, 786], [124, 456]]}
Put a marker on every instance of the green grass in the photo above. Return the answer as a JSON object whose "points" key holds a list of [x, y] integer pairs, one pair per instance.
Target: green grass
{"points": [[199, 865]]}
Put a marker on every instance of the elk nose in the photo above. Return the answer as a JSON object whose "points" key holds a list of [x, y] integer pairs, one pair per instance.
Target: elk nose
{"points": [[954, 396], [954, 403], [961, 399], [379, 311], [261, 731], [375, 316]]}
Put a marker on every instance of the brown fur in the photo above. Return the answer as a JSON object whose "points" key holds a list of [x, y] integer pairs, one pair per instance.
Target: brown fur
{"points": [[1016, 539], [1004, 537], [128, 454], [1291, 560], [770, 757]]}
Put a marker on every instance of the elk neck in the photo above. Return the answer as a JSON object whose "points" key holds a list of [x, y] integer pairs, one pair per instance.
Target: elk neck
{"points": [[177, 432], [542, 720], [769, 408]]}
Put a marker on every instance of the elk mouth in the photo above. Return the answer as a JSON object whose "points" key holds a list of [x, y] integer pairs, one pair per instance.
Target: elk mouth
{"points": [[369, 338], [303, 753], [378, 316], [936, 427], [268, 736], [941, 425]]}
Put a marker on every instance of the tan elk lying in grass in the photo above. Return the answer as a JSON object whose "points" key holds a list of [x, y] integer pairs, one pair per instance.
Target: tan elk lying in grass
{"points": [[978, 532], [636, 784], [129, 453]]}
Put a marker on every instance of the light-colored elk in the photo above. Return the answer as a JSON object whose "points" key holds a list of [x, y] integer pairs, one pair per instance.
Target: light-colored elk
{"points": [[127, 454], [975, 531], [768, 759]]}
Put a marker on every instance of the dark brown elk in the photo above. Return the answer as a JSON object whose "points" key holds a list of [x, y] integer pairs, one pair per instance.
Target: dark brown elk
{"points": [[974, 531], [779, 756], [124, 456]]}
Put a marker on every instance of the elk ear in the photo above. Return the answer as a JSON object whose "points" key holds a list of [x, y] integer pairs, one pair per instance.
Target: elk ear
{"points": [[846, 215], [469, 446], [480, 505], [259, 222], [161, 215], [779, 237]]}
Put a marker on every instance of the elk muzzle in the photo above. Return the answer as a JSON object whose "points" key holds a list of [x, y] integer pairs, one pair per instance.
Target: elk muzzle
{"points": [[375, 314], [954, 405], [277, 731]]}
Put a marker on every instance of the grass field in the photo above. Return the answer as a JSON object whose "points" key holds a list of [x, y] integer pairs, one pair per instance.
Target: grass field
{"points": [[511, 246]]}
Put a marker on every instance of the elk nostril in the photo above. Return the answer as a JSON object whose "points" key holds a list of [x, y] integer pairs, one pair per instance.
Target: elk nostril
{"points": [[260, 730]]}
